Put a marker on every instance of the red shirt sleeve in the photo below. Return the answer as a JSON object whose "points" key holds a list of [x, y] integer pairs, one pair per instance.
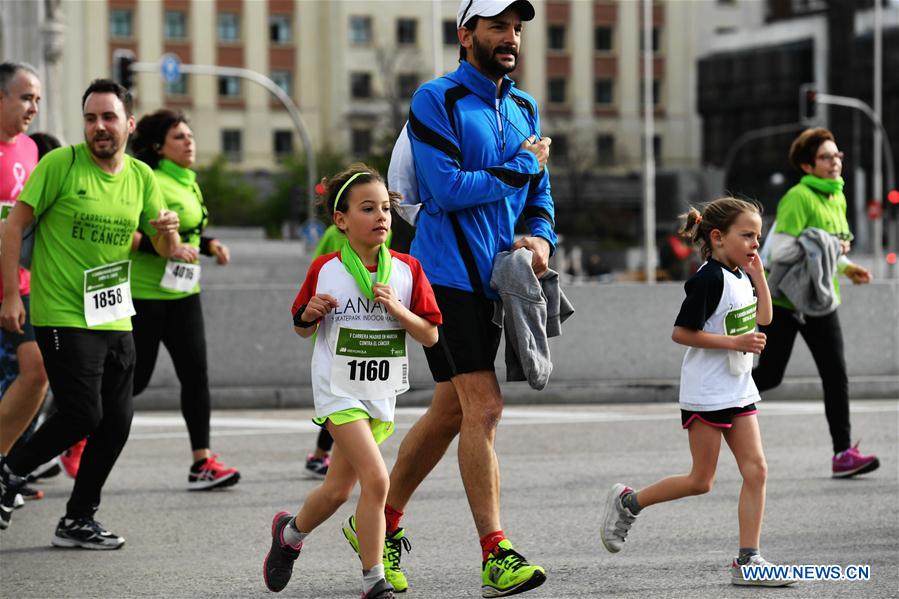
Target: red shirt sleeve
{"points": [[424, 303], [307, 291]]}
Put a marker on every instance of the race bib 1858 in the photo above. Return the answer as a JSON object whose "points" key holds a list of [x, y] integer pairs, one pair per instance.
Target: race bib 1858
{"points": [[370, 364], [107, 293]]}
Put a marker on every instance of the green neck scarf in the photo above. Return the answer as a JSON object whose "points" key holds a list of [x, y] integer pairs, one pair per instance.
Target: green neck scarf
{"points": [[353, 265], [182, 175], [828, 186]]}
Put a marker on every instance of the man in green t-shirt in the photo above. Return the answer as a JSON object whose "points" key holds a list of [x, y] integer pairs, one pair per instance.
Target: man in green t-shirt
{"points": [[87, 201]]}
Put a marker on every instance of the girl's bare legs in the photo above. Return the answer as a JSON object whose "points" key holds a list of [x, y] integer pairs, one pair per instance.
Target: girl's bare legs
{"points": [[326, 498], [745, 442], [705, 445], [355, 449]]}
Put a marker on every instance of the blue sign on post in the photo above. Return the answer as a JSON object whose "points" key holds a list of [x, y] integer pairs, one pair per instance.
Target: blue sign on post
{"points": [[170, 67]]}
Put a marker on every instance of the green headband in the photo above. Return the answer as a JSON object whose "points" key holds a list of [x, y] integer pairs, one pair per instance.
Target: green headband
{"points": [[345, 185]]}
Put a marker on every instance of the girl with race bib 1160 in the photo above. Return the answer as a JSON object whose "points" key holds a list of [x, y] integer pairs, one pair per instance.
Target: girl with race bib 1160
{"points": [[717, 323], [361, 304]]}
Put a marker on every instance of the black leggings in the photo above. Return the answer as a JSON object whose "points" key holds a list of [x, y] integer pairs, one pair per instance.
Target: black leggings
{"points": [[325, 441], [824, 338], [91, 375], [178, 323]]}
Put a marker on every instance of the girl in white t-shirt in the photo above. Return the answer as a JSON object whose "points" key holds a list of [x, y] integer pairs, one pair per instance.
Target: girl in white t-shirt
{"points": [[359, 366], [717, 395]]}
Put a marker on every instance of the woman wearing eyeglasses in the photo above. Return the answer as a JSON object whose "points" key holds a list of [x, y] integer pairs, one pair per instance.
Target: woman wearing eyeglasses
{"points": [[817, 201]]}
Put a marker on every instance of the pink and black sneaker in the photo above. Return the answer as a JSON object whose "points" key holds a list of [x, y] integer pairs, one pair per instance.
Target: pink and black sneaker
{"points": [[71, 458], [277, 568], [851, 462], [209, 473]]}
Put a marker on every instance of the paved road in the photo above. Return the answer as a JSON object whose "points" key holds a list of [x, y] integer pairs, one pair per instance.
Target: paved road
{"points": [[558, 462]]}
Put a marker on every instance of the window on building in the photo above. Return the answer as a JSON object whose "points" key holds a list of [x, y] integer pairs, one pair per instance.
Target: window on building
{"points": [[360, 85], [604, 91], [283, 143], [406, 84], [361, 141], [602, 38], [232, 144], [556, 91], [177, 87], [229, 87], [283, 80], [406, 32], [560, 147], [555, 37], [360, 30], [279, 29], [229, 27], [605, 149], [450, 36], [120, 23], [175, 25]]}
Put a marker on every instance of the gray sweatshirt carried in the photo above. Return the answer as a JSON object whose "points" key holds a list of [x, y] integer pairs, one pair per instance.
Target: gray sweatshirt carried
{"points": [[801, 269], [530, 311]]}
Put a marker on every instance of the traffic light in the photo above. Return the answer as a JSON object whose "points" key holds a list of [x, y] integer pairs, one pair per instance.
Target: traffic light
{"points": [[122, 60], [893, 197], [808, 105]]}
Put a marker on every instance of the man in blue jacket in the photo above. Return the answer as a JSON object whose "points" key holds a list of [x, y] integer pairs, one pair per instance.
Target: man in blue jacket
{"points": [[481, 165]]}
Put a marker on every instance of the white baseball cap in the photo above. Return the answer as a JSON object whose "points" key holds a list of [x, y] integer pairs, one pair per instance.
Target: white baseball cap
{"points": [[491, 8]]}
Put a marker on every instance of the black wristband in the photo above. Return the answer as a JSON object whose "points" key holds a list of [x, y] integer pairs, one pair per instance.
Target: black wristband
{"points": [[298, 320], [204, 245]]}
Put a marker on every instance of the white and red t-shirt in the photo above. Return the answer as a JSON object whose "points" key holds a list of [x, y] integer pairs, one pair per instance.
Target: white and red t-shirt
{"points": [[356, 313], [17, 159]]}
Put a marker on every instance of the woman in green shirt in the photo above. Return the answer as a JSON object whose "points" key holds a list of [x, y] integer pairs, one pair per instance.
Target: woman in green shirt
{"points": [[167, 292], [817, 201]]}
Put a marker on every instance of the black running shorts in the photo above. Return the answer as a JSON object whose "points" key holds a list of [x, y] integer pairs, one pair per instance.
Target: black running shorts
{"points": [[717, 418], [468, 339]]}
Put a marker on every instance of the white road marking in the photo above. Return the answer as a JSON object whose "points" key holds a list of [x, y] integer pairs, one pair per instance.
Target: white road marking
{"points": [[227, 426]]}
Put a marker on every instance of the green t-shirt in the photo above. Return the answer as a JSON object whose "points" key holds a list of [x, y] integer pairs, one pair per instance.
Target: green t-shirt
{"points": [[182, 195], [86, 219], [802, 207]]}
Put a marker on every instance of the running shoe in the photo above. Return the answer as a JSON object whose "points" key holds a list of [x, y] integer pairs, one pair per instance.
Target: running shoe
{"points": [[852, 461], [278, 564], [47, 470], [10, 499], [381, 590], [85, 533], [317, 467], [71, 458], [736, 574], [616, 520], [505, 572], [209, 474], [30, 492], [393, 553]]}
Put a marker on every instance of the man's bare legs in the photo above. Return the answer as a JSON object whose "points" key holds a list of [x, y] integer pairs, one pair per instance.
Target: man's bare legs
{"points": [[482, 407], [424, 445], [24, 396]]}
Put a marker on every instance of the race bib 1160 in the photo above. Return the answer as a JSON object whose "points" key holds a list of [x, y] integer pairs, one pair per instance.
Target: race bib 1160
{"points": [[370, 364]]}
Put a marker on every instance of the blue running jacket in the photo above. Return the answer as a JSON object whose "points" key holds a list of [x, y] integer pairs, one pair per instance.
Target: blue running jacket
{"points": [[474, 179]]}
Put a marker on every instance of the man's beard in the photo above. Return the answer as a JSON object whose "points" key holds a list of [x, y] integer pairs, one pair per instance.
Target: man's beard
{"points": [[486, 57], [109, 151]]}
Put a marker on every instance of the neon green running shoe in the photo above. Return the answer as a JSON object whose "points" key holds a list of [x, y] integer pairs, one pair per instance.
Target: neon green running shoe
{"points": [[393, 550], [506, 572]]}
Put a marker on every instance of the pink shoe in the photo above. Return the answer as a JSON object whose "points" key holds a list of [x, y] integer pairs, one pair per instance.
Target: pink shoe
{"points": [[71, 458], [851, 462], [211, 474]]}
